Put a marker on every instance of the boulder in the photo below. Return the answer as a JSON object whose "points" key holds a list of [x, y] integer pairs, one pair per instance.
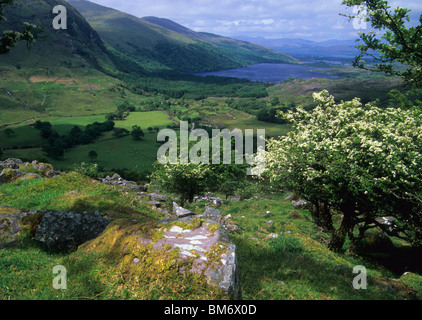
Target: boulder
{"points": [[8, 175], [188, 245], [11, 163], [65, 231], [158, 197], [213, 214], [13, 221], [181, 212]]}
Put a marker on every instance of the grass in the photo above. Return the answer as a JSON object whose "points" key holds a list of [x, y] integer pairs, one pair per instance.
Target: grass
{"points": [[72, 192], [145, 120], [295, 266], [116, 153]]}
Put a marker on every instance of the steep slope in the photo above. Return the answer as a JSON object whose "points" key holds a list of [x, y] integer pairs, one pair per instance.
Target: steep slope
{"points": [[241, 51], [161, 44], [66, 72], [78, 46]]}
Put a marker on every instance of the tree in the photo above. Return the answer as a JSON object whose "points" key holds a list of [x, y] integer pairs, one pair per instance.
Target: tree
{"points": [[9, 132], [93, 155], [186, 180], [137, 133], [9, 39], [120, 132], [361, 161], [397, 45]]}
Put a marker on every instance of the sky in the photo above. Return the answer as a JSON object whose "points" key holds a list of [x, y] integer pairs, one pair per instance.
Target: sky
{"points": [[317, 20]]}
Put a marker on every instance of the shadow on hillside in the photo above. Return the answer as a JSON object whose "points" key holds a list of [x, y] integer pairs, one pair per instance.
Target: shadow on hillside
{"points": [[267, 274]]}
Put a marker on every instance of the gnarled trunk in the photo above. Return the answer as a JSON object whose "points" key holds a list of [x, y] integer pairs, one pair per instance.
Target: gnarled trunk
{"points": [[338, 237]]}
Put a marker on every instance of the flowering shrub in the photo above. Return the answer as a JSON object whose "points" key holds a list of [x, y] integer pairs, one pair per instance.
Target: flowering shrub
{"points": [[360, 160]]}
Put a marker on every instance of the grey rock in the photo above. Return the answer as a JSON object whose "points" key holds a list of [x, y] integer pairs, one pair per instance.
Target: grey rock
{"points": [[9, 174], [11, 163], [158, 197], [221, 271], [213, 214], [65, 231], [181, 212], [270, 224], [300, 204]]}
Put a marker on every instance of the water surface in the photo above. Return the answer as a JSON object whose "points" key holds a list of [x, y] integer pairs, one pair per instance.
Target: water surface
{"points": [[272, 72]]}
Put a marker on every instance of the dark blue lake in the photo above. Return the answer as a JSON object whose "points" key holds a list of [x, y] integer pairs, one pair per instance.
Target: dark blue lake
{"points": [[272, 72]]}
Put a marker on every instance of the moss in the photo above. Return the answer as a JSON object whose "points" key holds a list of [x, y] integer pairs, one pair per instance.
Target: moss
{"points": [[213, 227], [142, 271], [216, 252], [7, 209], [193, 224], [9, 175], [30, 223]]}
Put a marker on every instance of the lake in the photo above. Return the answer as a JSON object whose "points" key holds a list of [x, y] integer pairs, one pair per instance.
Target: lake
{"points": [[272, 72]]}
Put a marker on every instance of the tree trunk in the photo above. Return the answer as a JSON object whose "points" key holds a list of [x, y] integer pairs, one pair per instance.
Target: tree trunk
{"points": [[338, 237], [322, 215], [325, 217]]}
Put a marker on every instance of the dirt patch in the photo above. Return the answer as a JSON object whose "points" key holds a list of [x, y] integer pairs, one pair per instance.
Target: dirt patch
{"points": [[37, 79]]}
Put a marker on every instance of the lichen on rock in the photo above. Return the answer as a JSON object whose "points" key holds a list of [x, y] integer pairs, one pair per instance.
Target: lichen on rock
{"points": [[191, 247]]}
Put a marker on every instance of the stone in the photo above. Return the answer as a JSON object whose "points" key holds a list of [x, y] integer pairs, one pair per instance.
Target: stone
{"points": [[199, 245], [158, 197], [181, 212], [12, 221], [295, 215], [213, 214], [300, 204], [231, 227], [11, 163], [65, 231], [270, 224], [8, 175]]}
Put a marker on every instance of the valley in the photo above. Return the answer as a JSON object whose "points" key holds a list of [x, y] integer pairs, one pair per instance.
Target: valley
{"points": [[90, 101]]}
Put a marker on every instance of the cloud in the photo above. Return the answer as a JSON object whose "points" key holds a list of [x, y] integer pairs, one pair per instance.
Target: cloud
{"points": [[313, 19]]}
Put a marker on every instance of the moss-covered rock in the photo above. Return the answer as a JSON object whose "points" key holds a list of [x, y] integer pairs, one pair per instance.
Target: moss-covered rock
{"points": [[14, 222], [179, 254]]}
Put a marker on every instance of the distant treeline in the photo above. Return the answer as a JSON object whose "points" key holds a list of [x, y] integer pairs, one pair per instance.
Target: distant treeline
{"points": [[57, 144]]}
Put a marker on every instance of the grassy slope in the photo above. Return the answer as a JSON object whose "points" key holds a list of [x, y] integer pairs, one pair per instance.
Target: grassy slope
{"points": [[295, 266]]}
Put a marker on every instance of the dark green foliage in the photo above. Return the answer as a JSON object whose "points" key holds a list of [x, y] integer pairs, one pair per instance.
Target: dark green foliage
{"points": [[93, 155], [137, 133], [9, 39], [120, 132], [397, 43], [57, 144]]}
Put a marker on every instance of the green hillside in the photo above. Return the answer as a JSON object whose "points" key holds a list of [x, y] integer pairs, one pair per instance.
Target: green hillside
{"points": [[161, 44], [57, 50]]}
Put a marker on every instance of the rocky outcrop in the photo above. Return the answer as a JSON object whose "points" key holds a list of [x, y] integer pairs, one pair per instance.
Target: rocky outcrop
{"points": [[65, 231], [15, 169], [13, 221], [119, 181], [193, 243]]}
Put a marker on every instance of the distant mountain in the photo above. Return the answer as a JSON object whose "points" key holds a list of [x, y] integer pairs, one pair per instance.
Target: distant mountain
{"points": [[161, 44], [301, 47]]}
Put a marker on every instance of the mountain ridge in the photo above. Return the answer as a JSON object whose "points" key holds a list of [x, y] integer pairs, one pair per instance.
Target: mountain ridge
{"points": [[162, 44]]}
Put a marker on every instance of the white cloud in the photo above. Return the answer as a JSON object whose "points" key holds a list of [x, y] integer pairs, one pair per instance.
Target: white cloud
{"points": [[310, 18]]}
